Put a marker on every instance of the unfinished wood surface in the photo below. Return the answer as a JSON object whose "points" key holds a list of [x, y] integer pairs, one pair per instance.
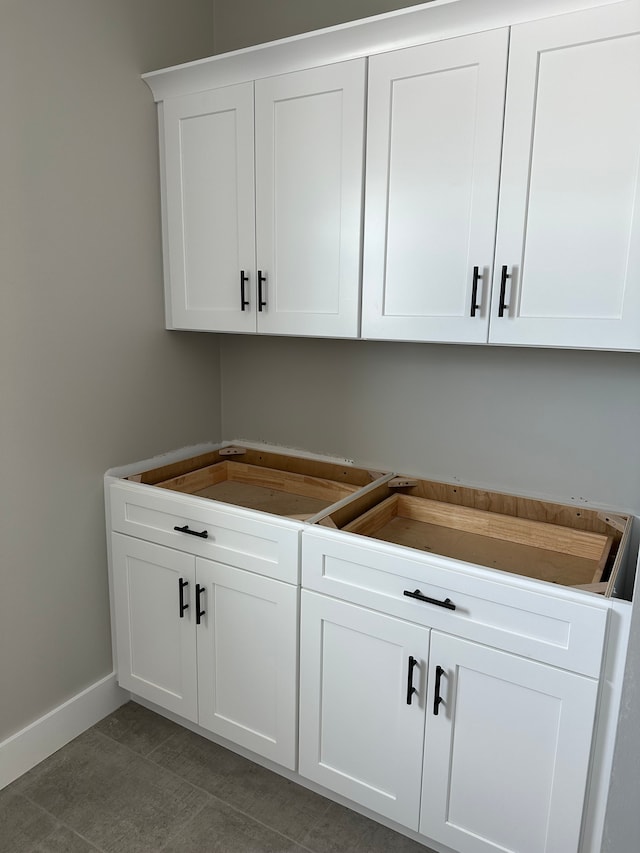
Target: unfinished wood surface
{"points": [[618, 522], [529, 548], [284, 493], [295, 464], [537, 534], [232, 451], [262, 499], [576, 517], [195, 481], [358, 506], [512, 557]]}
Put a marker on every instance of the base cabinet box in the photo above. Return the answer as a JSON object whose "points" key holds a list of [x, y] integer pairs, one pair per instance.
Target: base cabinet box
{"points": [[480, 749], [438, 655], [215, 644]]}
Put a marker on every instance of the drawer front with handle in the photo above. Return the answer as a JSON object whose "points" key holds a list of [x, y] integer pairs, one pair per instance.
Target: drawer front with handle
{"points": [[493, 608], [229, 535]]}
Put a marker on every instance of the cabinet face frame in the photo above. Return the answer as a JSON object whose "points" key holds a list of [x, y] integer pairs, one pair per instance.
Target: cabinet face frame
{"points": [[457, 201]]}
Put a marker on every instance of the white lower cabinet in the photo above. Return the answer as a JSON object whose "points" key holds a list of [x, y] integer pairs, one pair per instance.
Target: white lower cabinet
{"points": [[476, 748], [247, 660], [215, 644], [506, 751], [361, 729], [156, 638]]}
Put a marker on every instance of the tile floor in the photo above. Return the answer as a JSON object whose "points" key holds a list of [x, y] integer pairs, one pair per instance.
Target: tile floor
{"points": [[137, 783]]}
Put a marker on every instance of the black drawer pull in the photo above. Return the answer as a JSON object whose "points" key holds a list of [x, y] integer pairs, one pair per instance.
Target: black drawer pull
{"points": [[262, 301], [244, 278], [417, 594], [437, 698], [183, 584], [199, 613], [203, 534], [502, 306], [475, 306], [410, 688]]}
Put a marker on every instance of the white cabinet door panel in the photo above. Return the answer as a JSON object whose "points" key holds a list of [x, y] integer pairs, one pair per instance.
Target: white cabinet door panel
{"points": [[247, 660], [358, 735], [309, 166], [569, 219], [209, 209], [507, 756], [433, 159], [156, 645]]}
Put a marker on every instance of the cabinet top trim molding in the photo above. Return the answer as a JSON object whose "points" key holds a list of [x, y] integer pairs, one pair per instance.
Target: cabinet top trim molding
{"points": [[427, 22]]}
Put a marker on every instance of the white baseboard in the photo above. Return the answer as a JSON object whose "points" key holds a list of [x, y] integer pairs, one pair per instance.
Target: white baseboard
{"points": [[40, 739]]}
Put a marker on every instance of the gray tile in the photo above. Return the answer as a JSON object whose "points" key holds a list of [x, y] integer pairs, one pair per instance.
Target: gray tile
{"points": [[22, 824], [266, 796], [137, 727], [341, 830], [115, 799], [63, 840], [220, 829]]}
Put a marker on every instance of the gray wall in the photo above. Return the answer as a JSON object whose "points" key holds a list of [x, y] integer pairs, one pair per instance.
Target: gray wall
{"points": [[560, 424], [240, 23], [88, 377], [563, 424]]}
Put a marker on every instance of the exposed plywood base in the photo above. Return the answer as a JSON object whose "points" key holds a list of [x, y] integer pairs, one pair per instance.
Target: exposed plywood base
{"points": [[528, 546], [525, 560], [283, 493], [264, 499]]}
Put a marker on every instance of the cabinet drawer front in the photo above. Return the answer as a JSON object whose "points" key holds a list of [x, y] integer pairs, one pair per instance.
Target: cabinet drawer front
{"points": [[234, 537], [509, 613]]}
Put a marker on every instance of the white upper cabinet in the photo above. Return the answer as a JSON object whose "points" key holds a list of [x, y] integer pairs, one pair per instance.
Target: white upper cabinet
{"points": [[304, 208], [433, 163], [567, 271], [209, 210], [501, 188], [309, 172]]}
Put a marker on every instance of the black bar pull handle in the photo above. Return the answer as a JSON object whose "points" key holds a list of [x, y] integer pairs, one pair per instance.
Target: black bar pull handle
{"points": [[437, 698], [182, 585], [475, 306], [203, 534], [262, 279], [244, 278], [417, 594], [410, 688], [199, 613], [502, 307]]}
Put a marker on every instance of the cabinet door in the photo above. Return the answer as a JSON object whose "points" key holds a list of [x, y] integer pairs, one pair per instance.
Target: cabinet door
{"points": [[155, 636], [358, 735], [247, 660], [209, 207], [434, 135], [507, 756], [309, 165], [569, 218]]}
